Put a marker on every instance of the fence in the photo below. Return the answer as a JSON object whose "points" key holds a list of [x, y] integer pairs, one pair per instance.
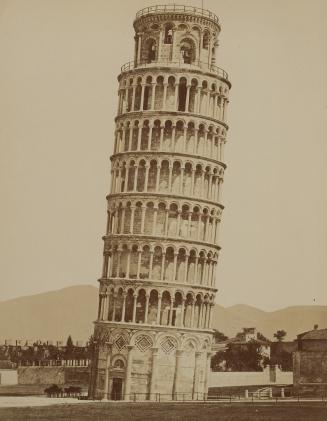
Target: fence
{"points": [[196, 65], [177, 8], [205, 398]]}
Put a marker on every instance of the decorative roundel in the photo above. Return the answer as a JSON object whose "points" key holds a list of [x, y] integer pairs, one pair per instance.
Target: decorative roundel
{"points": [[168, 344], [120, 342], [143, 343]]}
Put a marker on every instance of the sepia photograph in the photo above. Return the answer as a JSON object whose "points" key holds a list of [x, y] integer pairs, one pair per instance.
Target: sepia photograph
{"points": [[163, 199]]}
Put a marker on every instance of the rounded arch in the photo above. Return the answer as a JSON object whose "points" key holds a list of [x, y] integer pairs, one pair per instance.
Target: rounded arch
{"points": [[188, 50], [143, 340], [150, 53], [189, 341], [118, 361], [168, 37], [163, 338]]}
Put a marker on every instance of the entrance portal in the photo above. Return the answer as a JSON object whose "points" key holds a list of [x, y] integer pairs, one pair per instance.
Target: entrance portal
{"points": [[117, 389]]}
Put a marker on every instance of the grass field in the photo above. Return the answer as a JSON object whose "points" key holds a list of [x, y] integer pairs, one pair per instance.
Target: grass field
{"points": [[170, 412]]}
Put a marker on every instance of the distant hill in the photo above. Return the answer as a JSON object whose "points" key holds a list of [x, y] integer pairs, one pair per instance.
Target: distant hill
{"points": [[70, 311], [293, 320], [51, 316]]}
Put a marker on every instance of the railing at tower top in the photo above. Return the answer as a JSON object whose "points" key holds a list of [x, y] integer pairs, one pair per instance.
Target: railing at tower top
{"points": [[195, 65], [177, 8]]}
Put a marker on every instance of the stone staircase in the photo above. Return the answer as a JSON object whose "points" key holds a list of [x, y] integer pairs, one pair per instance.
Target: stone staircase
{"points": [[263, 393]]}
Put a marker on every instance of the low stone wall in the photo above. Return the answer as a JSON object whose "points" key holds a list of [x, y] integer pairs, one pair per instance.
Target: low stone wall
{"points": [[8, 377], [284, 377], [53, 375], [77, 376], [249, 378]]}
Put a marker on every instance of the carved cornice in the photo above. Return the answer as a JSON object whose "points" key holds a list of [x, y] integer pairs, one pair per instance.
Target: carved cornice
{"points": [[164, 285], [144, 114], [143, 22], [197, 159], [163, 196], [167, 241]]}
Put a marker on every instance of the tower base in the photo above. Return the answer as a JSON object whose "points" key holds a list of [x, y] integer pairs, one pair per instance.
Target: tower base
{"points": [[149, 363]]}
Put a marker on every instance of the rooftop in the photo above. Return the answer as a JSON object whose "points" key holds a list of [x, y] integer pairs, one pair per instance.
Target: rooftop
{"points": [[316, 334], [177, 8]]}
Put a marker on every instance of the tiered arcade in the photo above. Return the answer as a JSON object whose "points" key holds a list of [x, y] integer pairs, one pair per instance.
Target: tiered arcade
{"points": [[157, 290]]}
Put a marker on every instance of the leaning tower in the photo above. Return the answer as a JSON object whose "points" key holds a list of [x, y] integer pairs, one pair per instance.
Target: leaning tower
{"points": [[157, 289]]}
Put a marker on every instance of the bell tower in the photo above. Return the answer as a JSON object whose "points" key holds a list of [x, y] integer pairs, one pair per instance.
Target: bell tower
{"points": [[153, 331]]}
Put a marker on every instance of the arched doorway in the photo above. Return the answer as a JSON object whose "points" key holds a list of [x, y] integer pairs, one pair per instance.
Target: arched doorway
{"points": [[187, 51], [151, 50], [117, 389], [117, 375]]}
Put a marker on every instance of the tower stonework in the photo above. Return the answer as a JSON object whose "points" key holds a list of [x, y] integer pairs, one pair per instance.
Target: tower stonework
{"points": [[157, 289]]}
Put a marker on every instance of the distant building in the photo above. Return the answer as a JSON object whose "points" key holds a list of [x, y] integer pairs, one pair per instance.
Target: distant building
{"points": [[248, 334], [310, 363]]}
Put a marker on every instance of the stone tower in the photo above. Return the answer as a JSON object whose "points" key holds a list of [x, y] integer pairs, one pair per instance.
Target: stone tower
{"points": [[157, 290]]}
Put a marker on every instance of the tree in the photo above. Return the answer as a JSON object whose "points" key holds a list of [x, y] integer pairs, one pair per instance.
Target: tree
{"points": [[69, 352], [280, 335], [244, 358], [218, 361], [69, 343], [284, 359], [219, 336], [239, 357]]}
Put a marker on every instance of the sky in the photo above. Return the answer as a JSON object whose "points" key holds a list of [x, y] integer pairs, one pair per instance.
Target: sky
{"points": [[58, 81]]}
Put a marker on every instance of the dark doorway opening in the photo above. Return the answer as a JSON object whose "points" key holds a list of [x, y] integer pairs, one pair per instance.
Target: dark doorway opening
{"points": [[182, 96], [117, 389]]}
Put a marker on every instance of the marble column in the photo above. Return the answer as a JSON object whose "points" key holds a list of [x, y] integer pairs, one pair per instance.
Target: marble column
{"points": [[165, 85], [176, 96], [147, 168], [147, 299], [124, 307], [196, 378], [143, 218], [177, 375], [207, 373], [139, 36], [139, 137], [128, 375], [154, 224], [162, 272], [142, 96], [187, 98], [171, 311], [134, 307], [131, 228], [153, 94], [133, 98], [107, 372], [159, 309], [158, 176], [151, 264], [154, 368]]}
